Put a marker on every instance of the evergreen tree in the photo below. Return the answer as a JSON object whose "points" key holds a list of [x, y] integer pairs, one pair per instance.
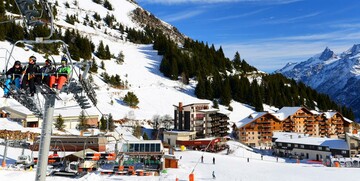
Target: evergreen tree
{"points": [[101, 52], [145, 136], [111, 123], [120, 58], [102, 65], [82, 122], [94, 66], [225, 96], [107, 5], [131, 100], [200, 89], [137, 131], [237, 61], [103, 123], [59, 124], [107, 52], [215, 104]]}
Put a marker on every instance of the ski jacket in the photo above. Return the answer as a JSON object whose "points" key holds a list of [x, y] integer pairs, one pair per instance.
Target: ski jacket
{"points": [[64, 70], [32, 69], [47, 69], [14, 72]]}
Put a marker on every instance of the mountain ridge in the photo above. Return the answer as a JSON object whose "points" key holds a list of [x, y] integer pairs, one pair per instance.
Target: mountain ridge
{"points": [[337, 76]]}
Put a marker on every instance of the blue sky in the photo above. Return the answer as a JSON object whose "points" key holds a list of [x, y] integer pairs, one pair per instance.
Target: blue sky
{"points": [[266, 33]]}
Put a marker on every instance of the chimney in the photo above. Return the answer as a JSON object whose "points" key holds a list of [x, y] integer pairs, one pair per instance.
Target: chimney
{"points": [[180, 106]]}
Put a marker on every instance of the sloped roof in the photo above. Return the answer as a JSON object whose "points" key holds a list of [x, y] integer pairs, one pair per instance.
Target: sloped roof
{"points": [[339, 144], [250, 118], [285, 112], [329, 114]]}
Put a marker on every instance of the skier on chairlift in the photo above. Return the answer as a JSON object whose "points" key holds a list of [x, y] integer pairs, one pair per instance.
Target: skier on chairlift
{"points": [[46, 71], [13, 77], [29, 75], [61, 75]]}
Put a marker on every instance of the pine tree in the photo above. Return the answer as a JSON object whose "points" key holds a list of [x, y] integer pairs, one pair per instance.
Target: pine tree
{"points": [[107, 52], [131, 100], [145, 136], [94, 66], [103, 123], [200, 89], [225, 96], [101, 53], [237, 61], [59, 124], [102, 65], [137, 131], [107, 5], [82, 121], [111, 123]]}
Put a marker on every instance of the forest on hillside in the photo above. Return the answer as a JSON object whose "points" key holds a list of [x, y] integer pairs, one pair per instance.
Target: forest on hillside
{"points": [[219, 78]]}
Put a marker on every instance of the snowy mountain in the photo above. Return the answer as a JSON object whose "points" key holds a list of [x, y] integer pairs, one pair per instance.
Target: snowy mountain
{"points": [[140, 69], [335, 75]]}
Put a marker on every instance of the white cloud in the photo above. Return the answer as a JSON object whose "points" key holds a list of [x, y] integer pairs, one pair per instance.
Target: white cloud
{"points": [[182, 15], [169, 2], [240, 15], [272, 20]]}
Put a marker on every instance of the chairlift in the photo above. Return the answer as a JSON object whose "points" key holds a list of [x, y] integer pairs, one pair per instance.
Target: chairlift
{"points": [[32, 17]]}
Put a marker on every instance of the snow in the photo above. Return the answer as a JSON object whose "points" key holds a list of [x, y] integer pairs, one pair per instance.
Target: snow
{"points": [[157, 95], [227, 167]]}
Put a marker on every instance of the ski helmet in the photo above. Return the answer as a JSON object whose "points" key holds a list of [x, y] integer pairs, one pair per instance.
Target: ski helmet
{"points": [[48, 61], [33, 58], [64, 59], [17, 62]]}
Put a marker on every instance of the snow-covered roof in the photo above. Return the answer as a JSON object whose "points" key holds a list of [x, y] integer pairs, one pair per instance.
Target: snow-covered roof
{"points": [[285, 112], [250, 118], [8, 124], [329, 114], [348, 120], [339, 144], [315, 112], [286, 135]]}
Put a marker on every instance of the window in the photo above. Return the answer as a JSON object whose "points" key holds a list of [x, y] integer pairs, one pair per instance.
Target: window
{"points": [[280, 144], [289, 145], [157, 147], [319, 148], [296, 145], [302, 146], [147, 147], [327, 149], [137, 147], [343, 151], [152, 147], [142, 147]]}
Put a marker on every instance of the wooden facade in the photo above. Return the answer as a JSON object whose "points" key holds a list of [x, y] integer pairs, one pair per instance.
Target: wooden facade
{"points": [[258, 132]]}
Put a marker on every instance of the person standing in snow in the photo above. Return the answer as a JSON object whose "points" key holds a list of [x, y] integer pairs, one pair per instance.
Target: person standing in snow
{"points": [[213, 174], [202, 159], [214, 160]]}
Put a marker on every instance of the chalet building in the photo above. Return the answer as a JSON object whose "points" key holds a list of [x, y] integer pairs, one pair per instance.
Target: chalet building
{"points": [[200, 118], [333, 124], [353, 140], [28, 119], [170, 137], [313, 148], [257, 129]]}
